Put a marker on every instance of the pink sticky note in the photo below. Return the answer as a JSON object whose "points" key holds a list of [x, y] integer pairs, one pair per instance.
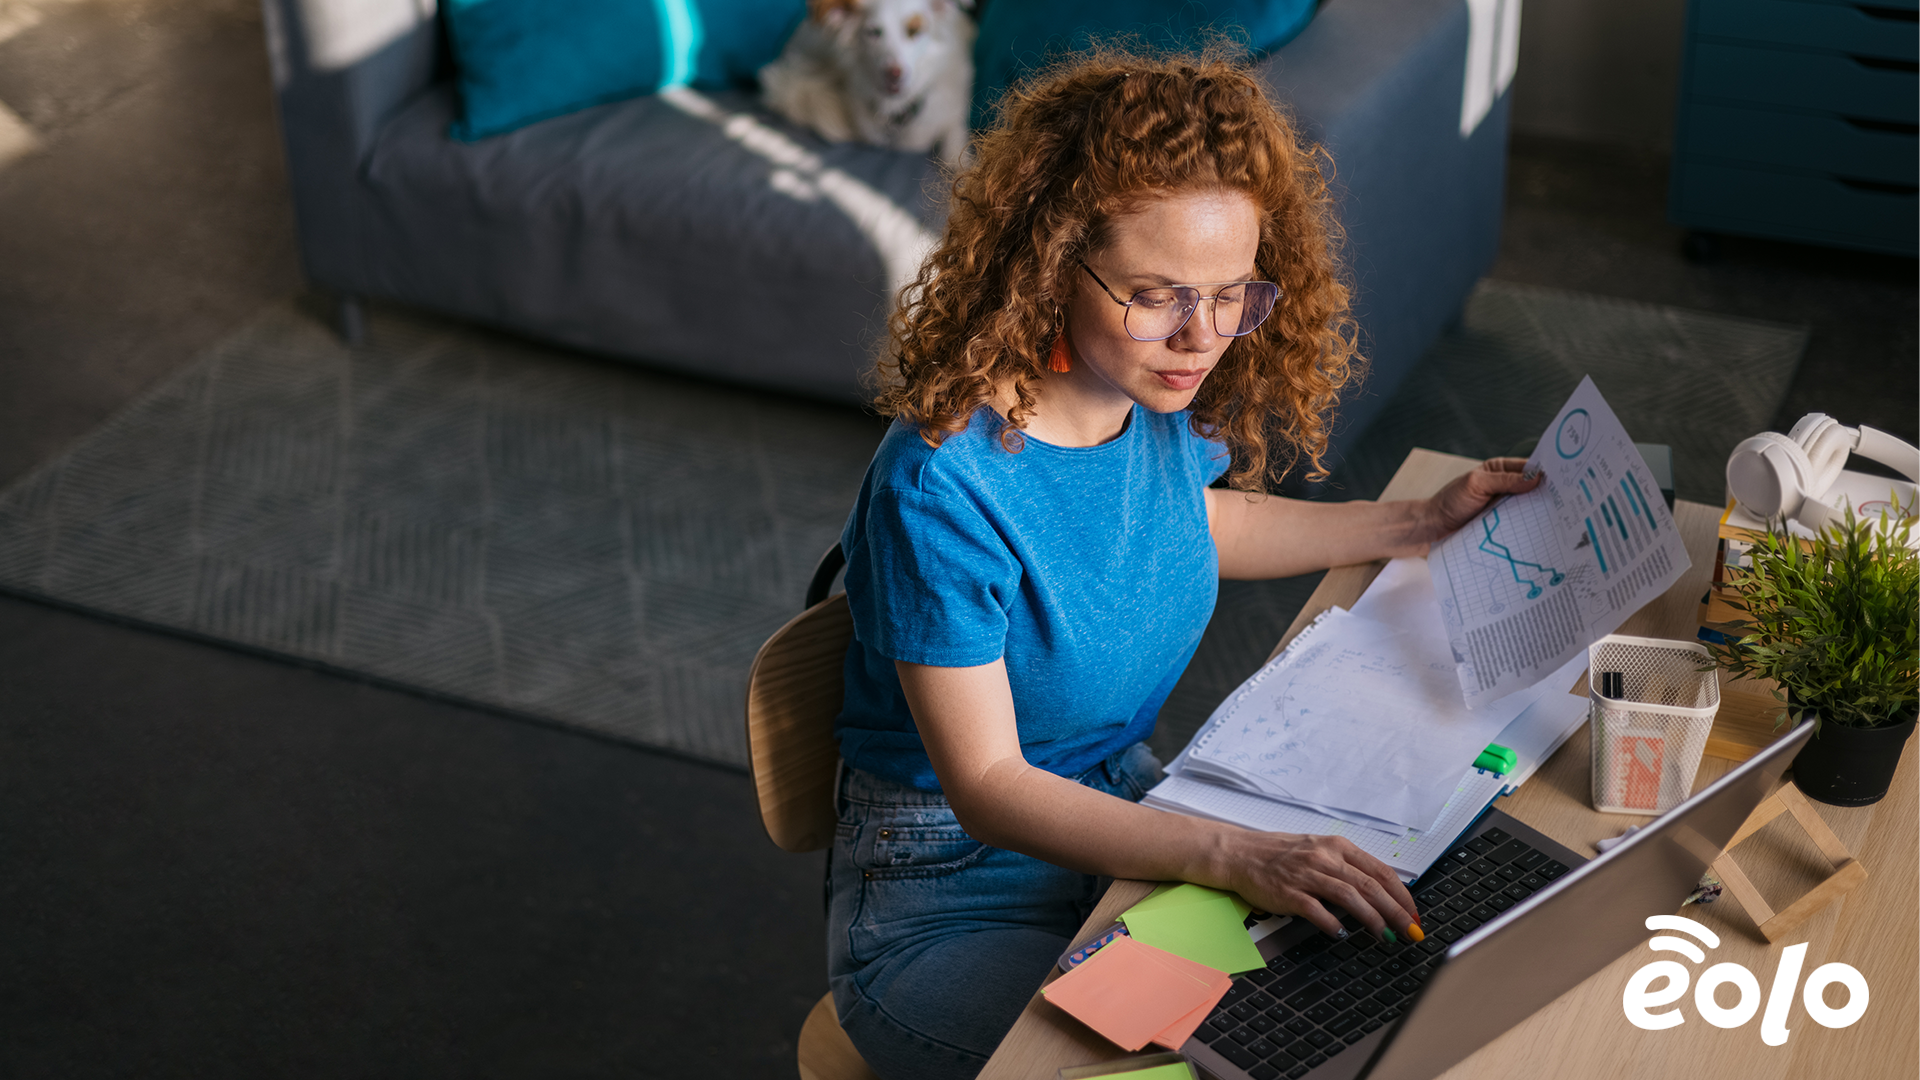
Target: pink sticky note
{"points": [[1175, 1034], [1133, 994], [1178, 1032]]}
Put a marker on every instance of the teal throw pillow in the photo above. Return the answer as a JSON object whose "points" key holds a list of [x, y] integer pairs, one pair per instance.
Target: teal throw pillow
{"points": [[1020, 36], [518, 61]]}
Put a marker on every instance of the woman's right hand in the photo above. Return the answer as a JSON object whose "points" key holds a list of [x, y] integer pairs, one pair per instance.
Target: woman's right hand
{"points": [[1289, 874]]}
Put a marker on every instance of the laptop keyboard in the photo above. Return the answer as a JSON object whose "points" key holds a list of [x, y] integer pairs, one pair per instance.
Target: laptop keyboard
{"points": [[1321, 996]]}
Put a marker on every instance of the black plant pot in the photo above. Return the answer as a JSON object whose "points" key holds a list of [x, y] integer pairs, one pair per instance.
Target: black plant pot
{"points": [[1850, 766]]}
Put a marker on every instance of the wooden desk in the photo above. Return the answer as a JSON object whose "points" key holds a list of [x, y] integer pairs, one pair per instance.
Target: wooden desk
{"points": [[1584, 1033]]}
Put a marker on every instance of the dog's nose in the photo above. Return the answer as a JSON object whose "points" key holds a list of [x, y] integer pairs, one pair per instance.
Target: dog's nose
{"points": [[893, 74]]}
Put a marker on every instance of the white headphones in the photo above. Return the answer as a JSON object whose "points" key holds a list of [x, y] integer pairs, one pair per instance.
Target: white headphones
{"points": [[1786, 476]]}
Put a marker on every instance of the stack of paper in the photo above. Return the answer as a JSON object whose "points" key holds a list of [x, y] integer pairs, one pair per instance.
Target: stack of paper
{"points": [[1133, 994], [1357, 719], [1369, 723], [1401, 598]]}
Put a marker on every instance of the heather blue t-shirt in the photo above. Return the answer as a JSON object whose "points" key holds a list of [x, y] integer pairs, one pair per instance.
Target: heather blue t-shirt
{"points": [[1089, 568]]}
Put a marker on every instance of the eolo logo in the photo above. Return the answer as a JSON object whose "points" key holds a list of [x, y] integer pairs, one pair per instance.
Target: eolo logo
{"points": [[1639, 999]]}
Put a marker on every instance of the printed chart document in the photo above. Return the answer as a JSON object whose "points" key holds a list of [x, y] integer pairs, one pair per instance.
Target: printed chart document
{"points": [[1536, 578], [1356, 719], [1402, 597]]}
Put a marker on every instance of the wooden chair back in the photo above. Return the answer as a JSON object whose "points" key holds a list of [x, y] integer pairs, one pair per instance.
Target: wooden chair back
{"points": [[793, 694]]}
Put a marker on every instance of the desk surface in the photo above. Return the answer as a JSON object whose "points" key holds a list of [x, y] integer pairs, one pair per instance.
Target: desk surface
{"points": [[1584, 1033]]}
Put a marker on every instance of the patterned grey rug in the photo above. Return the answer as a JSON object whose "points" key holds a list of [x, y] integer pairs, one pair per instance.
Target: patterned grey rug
{"points": [[455, 511], [585, 543]]}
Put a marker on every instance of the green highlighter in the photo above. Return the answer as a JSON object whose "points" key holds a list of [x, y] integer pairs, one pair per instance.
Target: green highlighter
{"points": [[1497, 759]]}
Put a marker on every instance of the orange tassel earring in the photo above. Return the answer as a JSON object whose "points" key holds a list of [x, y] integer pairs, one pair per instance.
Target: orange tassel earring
{"points": [[1061, 359]]}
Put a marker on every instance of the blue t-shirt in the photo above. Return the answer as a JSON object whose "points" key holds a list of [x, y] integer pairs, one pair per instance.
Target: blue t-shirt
{"points": [[1089, 568]]}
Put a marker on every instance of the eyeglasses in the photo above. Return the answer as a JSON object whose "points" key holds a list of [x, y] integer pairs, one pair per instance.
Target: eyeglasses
{"points": [[1158, 313]]}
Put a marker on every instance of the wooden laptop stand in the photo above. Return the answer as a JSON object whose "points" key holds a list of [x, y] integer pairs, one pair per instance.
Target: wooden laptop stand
{"points": [[1847, 872]]}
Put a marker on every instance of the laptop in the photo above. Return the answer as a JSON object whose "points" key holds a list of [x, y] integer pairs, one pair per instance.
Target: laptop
{"points": [[1513, 920]]}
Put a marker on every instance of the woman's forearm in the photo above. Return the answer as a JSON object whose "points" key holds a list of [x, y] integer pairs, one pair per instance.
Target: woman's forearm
{"points": [[1010, 804], [1266, 536], [1015, 806], [966, 721]]}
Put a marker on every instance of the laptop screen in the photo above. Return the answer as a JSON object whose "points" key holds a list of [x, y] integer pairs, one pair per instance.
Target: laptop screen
{"points": [[1505, 971]]}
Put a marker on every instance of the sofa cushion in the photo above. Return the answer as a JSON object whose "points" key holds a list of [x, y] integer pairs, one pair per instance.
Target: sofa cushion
{"points": [[1017, 37], [690, 229], [524, 60]]}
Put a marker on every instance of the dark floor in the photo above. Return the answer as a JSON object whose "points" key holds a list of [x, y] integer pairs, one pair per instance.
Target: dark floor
{"points": [[217, 865], [1594, 219]]}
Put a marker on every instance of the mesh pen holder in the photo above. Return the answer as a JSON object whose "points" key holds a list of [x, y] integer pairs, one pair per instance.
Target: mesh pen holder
{"points": [[1648, 740]]}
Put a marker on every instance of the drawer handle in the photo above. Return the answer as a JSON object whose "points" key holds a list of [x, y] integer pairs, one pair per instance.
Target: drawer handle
{"points": [[1880, 63], [1880, 187], [1890, 14], [1890, 127]]}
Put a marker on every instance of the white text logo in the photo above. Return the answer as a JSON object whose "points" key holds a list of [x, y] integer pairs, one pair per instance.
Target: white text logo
{"points": [[1639, 1000]]}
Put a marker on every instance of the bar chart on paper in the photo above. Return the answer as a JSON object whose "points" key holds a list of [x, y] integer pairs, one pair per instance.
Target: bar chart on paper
{"points": [[1537, 577]]}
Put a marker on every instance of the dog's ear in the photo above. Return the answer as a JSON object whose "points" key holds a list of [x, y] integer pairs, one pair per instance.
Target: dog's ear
{"points": [[832, 12]]}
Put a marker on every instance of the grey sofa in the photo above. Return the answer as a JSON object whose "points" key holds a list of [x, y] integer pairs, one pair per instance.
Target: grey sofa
{"points": [[698, 232]]}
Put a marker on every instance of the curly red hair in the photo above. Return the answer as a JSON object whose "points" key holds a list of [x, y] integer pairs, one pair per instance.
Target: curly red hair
{"points": [[1073, 149]]}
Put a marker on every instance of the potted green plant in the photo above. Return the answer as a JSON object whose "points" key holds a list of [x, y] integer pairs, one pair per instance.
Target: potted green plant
{"points": [[1832, 621]]}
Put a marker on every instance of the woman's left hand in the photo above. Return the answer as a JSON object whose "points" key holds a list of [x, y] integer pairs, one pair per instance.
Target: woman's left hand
{"points": [[1468, 494]]}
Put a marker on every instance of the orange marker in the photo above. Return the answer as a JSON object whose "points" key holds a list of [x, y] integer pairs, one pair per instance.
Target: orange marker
{"points": [[1415, 934]]}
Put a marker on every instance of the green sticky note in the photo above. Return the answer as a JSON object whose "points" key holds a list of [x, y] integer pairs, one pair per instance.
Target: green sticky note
{"points": [[1208, 931], [1179, 1070]]}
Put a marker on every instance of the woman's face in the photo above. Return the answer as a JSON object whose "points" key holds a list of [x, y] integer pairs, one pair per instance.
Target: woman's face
{"points": [[1205, 238]]}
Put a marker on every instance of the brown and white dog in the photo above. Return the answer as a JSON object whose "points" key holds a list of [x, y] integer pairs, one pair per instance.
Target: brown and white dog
{"points": [[894, 73]]}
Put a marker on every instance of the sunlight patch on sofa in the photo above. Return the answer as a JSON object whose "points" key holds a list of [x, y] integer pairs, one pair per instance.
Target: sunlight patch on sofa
{"points": [[903, 243]]}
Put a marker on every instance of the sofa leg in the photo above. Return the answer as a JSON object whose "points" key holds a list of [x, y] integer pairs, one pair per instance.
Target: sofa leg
{"points": [[352, 320]]}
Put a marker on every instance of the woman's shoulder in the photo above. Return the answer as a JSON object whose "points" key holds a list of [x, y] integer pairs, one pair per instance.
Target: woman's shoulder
{"points": [[908, 459]]}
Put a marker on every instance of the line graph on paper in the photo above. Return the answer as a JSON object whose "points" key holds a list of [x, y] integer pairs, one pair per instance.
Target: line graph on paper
{"points": [[1535, 576], [1512, 562]]}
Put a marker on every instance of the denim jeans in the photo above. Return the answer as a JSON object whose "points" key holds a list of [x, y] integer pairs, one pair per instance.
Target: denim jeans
{"points": [[935, 941]]}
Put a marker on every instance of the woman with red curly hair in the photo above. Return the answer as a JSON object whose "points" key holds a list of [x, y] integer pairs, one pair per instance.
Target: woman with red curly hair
{"points": [[1137, 293]]}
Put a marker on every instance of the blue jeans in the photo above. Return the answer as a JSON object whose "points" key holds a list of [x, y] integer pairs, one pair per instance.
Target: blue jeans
{"points": [[935, 941]]}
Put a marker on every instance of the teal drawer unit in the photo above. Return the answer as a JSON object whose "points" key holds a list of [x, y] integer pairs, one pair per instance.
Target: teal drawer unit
{"points": [[1797, 121], [1855, 30]]}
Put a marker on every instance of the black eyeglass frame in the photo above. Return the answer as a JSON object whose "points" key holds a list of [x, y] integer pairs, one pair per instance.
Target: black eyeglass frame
{"points": [[1128, 304]]}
